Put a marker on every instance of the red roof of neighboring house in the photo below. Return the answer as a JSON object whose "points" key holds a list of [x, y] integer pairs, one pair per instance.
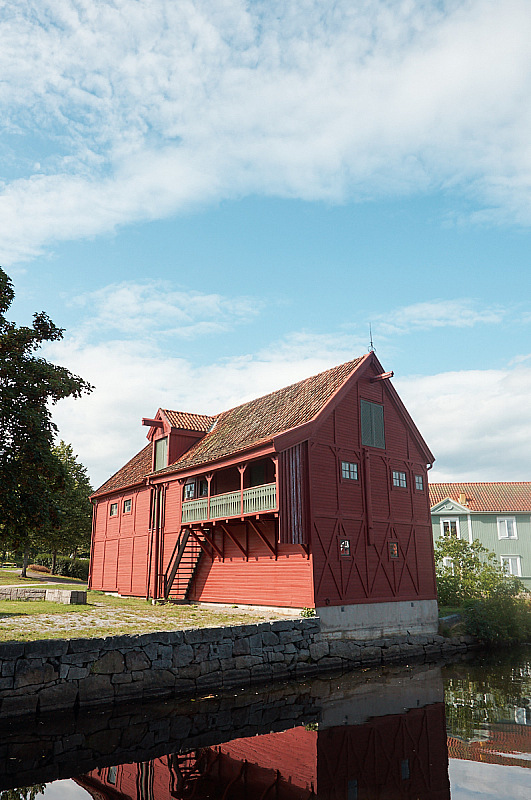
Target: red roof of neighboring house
{"points": [[240, 428], [499, 497]]}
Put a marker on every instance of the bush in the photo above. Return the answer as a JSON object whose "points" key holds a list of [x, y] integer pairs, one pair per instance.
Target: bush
{"points": [[473, 573], [497, 620], [39, 568], [78, 568]]}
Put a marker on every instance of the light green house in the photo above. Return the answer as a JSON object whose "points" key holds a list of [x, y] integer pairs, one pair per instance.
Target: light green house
{"points": [[498, 514]]}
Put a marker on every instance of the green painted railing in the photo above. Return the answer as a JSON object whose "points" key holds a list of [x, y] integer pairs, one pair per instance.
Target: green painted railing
{"points": [[222, 506]]}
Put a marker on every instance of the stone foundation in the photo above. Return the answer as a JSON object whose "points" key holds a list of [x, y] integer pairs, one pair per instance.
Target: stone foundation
{"points": [[64, 674], [53, 595]]}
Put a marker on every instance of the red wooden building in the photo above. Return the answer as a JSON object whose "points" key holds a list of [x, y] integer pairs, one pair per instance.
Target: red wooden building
{"points": [[315, 495]]}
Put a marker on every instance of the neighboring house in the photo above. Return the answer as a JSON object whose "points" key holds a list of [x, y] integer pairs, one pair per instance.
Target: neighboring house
{"points": [[313, 496], [498, 514]]}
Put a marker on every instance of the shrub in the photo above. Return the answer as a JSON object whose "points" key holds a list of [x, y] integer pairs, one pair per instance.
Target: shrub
{"points": [[77, 568], [473, 573], [496, 620], [39, 568], [308, 612]]}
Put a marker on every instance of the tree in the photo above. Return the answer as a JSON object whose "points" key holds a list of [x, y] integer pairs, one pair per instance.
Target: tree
{"points": [[30, 472], [71, 532], [466, 571]]}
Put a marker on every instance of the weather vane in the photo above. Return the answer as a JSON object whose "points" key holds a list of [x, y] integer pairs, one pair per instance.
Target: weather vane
{"points": [[371, 344]]}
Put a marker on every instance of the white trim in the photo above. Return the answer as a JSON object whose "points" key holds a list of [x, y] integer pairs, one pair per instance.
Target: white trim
{"points": [[450, 519], [469, 524], [506, 519], [509, 558]]}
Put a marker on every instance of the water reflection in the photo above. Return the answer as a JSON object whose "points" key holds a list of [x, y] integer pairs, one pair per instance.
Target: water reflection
{"points": [[369, 735]]}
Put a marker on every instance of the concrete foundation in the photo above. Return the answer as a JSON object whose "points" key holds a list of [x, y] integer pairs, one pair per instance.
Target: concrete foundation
{"points": [[364, 621]]}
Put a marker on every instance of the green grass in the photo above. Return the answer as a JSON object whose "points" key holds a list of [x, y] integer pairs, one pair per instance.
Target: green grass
{"points": [[11, 577], [106, 615]]}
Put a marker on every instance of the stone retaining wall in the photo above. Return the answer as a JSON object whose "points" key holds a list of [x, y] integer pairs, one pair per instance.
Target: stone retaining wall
{"points": [[60, 674]]}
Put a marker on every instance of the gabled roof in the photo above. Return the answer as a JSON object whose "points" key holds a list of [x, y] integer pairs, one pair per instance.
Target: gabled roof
{"points": [[188, 422], [255, 423], [258, 421], [131, 473], [498, 497]]}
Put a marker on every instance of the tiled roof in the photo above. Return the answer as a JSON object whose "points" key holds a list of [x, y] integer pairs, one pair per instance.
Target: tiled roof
{"points": [[242, 427], [501, 497], [133, 472], [188, 422], [259, 420]]}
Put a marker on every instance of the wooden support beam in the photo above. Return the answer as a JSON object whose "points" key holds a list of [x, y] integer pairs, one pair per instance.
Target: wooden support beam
{"points": [[263, 538], [212, 544], [227, 530], [383, 377]]}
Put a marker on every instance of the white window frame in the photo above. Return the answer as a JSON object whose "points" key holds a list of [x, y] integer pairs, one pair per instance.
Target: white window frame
{"points": [[399, 479], [113, 509], [506, 562], [450, 519], [419, 483], [128, 501], [349, 471], [503, 532]]}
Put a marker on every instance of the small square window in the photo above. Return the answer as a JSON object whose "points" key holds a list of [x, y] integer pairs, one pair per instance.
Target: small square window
{"points": [[344, 547], [419, 483], [349, 471], [393, 549], [399, 479], [113, 510], [128, 504]]}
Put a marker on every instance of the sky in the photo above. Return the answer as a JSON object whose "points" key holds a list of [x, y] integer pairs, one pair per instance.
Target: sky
{"points": [[217, 198]]}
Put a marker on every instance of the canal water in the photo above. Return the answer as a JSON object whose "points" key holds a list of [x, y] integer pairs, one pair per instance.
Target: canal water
{"points": [[425, 732]]}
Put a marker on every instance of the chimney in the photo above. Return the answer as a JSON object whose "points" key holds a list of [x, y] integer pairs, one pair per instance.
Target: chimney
{"points": [[462, 498]]}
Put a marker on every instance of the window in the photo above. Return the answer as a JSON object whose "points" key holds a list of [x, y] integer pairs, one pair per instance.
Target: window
{"points": [[507, 528], [512, 565], [399, 479], [450, 527], [113, 510], [349, 471], [393, 549], [202, 488], [161, 453], [112, 774], [344, 547], [127, 506], [189, 490], [372, 424], [419, 483]]}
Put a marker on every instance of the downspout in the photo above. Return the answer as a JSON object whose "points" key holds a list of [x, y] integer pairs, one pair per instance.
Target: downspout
{"points": [[92, 536], [151, 515], [469, 524]]}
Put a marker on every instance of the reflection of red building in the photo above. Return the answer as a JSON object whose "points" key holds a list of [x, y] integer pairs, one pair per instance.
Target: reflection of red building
{"points": [[507, 744], [398, 756]]}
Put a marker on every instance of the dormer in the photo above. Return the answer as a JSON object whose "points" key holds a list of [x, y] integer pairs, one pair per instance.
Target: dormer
{"points": [[173, 433]]}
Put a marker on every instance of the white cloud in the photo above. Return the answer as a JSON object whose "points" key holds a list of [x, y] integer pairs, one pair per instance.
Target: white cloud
{"points": [[143, 309], [477, 423], [132, 111], [459, 313]]}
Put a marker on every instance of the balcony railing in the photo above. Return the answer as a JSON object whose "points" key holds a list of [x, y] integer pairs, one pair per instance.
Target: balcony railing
{"points": [[222, 506]]}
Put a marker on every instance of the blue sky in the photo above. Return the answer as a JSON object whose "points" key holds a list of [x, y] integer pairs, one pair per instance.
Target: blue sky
{"points": [[216, 198]]}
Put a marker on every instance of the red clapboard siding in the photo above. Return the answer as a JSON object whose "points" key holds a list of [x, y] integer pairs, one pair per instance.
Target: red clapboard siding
{"points": [[262, 580], [370, 512]]}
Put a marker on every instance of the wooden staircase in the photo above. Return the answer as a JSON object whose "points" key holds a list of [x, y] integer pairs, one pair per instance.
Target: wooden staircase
{"points": [[182, 566]]}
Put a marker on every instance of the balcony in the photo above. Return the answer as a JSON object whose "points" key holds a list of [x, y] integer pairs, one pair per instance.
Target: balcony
{"points": [[256, 500]]}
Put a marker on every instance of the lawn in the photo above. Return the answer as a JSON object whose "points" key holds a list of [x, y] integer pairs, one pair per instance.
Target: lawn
{"points": [[11, 577], [106, 615]]}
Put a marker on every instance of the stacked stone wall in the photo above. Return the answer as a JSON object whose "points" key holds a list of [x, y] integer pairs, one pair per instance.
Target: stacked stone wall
{"points": [[60, 674]]}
